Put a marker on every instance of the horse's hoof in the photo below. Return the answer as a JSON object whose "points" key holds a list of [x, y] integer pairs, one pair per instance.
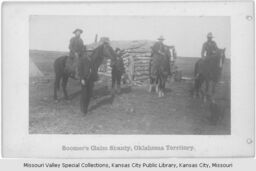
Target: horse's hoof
{"points": [[67, 100], [118, 91], [162, 94], [150, 89], [159, 94], [112, 92], [205, 99], [84, 112], [196, 95], [157, 89]]}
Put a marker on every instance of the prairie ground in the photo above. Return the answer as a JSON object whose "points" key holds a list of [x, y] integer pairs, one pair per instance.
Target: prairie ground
{"points": [[134, 111]]}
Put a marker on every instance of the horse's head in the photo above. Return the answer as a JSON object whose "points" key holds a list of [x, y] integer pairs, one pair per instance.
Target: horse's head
{"points": [[108, 52], [222, 56], [103, 51]]}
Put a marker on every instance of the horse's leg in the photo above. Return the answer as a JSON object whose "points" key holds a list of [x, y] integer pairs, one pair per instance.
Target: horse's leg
{"points": [[197, 85], [195, 88], [157, 82], [200, 91], [64, 86], [214, 84], [118, 81], [163, 85], [159, 86], [56, 86], [113, 80], [206, 94], [151, 82], [163, 81], [83, 100], [89, 93]]}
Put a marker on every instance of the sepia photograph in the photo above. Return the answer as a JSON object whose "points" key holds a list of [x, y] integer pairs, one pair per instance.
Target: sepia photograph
{"points": [[129, 75]]}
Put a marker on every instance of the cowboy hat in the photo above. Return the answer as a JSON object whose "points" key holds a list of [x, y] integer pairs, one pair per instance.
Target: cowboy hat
{"points": [[104, 40], [210, 35], [161, 38], [76, 30]]}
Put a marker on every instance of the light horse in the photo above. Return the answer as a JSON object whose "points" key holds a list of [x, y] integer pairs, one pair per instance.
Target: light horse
{"points": [[159, 71], [208, 71], [91, 66]]}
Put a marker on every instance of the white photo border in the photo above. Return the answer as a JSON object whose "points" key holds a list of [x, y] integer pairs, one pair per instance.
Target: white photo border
{"points": [[17, 142]]}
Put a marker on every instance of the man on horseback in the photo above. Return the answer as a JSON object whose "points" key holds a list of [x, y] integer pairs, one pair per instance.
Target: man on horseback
{"points": [[160, 54], [76, 47], [76, 44], [159, 46], [159, 66], [209, 48], [208, 69]]}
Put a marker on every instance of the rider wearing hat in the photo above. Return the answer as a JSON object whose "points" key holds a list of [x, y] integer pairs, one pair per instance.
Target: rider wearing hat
{"points": [[159, 54], [76, 45], [76, 48], [209, 47], [159, 46], [104, 40]]}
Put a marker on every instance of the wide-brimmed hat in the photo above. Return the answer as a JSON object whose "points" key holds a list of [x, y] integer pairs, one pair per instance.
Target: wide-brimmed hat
{"points": [[76, 30], [117, 49], [161, 38], [104, 40], [210, 35]]}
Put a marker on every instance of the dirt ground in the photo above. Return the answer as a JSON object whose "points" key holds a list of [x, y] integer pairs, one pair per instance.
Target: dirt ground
{"points": [[134, 111]]}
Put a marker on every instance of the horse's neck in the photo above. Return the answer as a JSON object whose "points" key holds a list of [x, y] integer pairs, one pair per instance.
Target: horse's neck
{"points": [[96, 57]]}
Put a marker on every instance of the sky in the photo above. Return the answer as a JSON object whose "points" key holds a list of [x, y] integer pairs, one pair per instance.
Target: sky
{"points": [[186, 33]]}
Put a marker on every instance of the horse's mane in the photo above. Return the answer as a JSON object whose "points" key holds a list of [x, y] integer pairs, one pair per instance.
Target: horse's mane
{"points": [[96, 50]]}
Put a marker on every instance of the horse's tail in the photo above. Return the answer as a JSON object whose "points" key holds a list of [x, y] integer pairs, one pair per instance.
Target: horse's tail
{"points": [[59, 70], [197, 68]]}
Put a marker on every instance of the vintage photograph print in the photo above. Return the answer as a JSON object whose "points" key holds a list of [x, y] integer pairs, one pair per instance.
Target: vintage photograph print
{"points": [[130, 75], [125, 80]]}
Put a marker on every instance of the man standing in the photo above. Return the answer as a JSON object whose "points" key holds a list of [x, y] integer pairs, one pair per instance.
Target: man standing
{"points": [[117, 71], [76, 48], [86, 81], [209, 48]]}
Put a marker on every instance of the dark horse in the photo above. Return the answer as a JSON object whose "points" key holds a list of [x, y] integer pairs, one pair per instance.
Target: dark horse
{"points": [[93, 61], [208, 71], [159, 71]]}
